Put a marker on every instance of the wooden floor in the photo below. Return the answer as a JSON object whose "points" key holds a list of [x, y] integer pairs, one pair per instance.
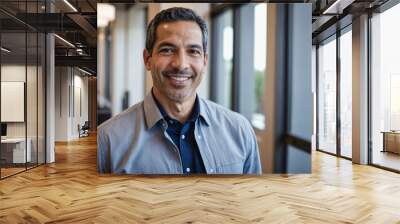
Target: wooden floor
{"points": [[387, 159], [70, 191], [10, 171]]}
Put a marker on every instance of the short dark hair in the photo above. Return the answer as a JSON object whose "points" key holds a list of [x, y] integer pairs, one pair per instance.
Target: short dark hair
{"points": [[172, 15]]}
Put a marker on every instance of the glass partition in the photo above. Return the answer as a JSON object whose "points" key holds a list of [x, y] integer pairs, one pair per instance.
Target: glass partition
{"points": [[327, 96], [22, 88], [31, 98], [14, 153], [346, 93], [41, 96], [222, 54], [385, 89], [260, 57]]}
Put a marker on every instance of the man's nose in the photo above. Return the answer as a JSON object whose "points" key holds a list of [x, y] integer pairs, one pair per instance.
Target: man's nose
{"points": [[180, 61]]}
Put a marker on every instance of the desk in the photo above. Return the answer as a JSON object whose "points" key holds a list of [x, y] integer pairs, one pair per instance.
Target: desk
{"points": [[391, 141], [13, 150]]}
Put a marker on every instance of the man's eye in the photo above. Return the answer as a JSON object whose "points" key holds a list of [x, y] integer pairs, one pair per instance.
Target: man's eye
{"points": [[194, 52], [166, 50]]}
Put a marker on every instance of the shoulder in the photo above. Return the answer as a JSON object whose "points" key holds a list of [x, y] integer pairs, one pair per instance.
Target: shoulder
{"points": [[218, 114], [127, 116]]}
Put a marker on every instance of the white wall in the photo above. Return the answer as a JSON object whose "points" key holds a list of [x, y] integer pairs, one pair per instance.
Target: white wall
{"points": [[61, 103], [14, 73], [70, 84], [17, 73], [33, 126]]}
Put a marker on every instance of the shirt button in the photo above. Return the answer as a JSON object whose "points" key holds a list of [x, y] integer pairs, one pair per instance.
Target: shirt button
{"points": [[211, 170], [183, 136], [199, 136], [188, 170]]}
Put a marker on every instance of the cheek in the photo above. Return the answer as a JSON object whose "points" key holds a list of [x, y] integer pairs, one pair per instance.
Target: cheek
{"points": [[198, 68], [161, 66]]}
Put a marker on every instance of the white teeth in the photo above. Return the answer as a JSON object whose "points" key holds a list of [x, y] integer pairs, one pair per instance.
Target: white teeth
{"points": [[177, 78]]}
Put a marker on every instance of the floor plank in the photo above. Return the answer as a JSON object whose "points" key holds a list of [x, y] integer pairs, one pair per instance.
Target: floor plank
{"points": [[71, 191]]}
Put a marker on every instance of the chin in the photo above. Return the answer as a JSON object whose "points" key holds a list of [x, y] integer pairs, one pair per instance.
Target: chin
{"points": [[179, 97]]}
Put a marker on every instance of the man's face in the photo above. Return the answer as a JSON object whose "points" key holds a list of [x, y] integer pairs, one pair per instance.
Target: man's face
{"points": [[178, 61]]}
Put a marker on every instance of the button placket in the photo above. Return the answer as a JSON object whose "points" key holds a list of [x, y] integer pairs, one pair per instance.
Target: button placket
{"points": [[203, 149], [176, 150]]}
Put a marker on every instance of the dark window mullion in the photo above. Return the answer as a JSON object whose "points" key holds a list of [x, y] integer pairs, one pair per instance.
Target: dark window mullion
{"points": [[317, 96], [369, 90], [338, 92], [37, 90]]}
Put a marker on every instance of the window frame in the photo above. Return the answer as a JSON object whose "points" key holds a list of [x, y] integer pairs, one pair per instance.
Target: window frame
{"points": [[333, 37], [378, 10]]}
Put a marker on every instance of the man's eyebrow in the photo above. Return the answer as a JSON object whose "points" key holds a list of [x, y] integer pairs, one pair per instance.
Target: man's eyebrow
{"points": [[165, 44], [195, 46]]}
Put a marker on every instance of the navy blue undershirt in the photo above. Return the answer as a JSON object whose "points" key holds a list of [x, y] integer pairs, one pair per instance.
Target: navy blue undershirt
{"points": [[183, 137]]}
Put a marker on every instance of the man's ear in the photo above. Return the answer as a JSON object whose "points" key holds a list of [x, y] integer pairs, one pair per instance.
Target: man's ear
{"points": [[205, 59], [146, 59]]}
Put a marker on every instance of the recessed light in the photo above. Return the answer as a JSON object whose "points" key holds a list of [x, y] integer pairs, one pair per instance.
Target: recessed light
{"points": [[5, 50], [64, 40], [86, 72], [70, 5]]}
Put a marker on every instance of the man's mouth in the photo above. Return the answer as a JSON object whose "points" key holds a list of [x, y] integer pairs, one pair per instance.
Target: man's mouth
{"points": [[179, 78]]}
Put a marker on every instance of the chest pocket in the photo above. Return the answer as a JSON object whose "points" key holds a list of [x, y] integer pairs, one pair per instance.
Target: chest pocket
{"points": [[233, 167]]}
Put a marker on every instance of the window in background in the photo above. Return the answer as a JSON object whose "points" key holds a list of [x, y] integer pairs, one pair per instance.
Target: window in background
{"points": [[327, 96], [260, 51], [222, 58], [395, 102], [385, 89], [228, 57], [346, 93]]}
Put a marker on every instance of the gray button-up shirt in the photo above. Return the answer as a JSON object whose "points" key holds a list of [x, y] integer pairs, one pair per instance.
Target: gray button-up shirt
{"points": [[136, 142]]}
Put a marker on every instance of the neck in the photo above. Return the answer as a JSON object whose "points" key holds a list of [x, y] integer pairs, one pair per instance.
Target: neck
{"points": [[177, 110]]}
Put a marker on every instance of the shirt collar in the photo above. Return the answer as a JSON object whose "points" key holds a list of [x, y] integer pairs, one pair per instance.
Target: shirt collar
{"points": [[154, 112]]}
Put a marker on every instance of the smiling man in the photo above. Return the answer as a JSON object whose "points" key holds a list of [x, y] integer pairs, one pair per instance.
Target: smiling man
{"points": [[173, 130]]}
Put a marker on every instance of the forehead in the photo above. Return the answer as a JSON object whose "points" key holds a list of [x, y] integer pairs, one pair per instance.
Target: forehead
{"points": [[182, 30]]}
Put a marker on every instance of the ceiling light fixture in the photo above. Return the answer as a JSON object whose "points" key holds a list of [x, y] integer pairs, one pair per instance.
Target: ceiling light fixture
{"points": [[337, 7], [86, 72], [65, 41], [5, 50], [70, 5]]}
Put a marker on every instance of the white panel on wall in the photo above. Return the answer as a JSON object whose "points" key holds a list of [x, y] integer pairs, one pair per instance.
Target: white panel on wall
{"points": [[12, 101]]}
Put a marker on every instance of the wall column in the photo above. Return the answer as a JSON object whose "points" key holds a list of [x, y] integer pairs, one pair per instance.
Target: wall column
{"points": [[360, 90]]}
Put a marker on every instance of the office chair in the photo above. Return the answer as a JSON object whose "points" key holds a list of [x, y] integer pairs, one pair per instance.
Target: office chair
{"points": [[84, 130]]}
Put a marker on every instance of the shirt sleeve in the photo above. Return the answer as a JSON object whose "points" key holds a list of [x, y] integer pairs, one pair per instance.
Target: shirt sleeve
{"points": [[103, 155], [252, 164]]}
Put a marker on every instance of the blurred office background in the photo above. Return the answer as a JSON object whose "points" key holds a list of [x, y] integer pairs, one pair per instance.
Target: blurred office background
{"points": [[237, 76], [48, 78], [342, 88]]}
